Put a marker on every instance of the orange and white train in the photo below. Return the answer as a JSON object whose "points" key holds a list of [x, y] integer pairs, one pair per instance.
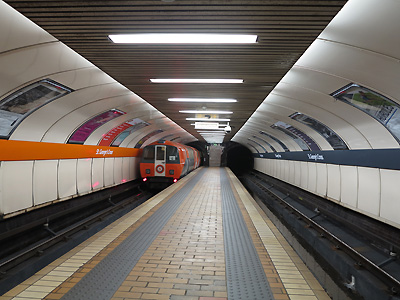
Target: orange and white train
{"points": [[166, 162]]}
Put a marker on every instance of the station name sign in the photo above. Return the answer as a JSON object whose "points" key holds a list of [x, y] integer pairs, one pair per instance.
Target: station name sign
{"points": [[104, 152], [372, 158], [315, 157]]}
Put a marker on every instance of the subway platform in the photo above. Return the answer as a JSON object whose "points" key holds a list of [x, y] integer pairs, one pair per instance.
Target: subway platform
{"points": [[203, 238]]}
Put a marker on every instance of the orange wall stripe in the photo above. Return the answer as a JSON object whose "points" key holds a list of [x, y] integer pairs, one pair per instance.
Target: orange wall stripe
{"points": [[22, 150]]}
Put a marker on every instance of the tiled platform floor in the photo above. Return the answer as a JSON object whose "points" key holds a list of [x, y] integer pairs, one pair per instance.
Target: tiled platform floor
{"points": [[187, 259]]}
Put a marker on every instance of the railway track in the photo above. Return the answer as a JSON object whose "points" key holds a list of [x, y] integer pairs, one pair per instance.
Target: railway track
{"points": [[32, 240], [370, 246]]}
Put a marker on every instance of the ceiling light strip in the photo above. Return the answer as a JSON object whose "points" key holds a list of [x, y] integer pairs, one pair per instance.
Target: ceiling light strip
{"points": [[208, 100], [194, 80], [220, 112], [182, 38], [207, 119]]}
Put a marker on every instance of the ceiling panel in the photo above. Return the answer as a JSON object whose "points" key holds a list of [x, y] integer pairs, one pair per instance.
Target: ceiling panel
{"points": [[285, 29]]}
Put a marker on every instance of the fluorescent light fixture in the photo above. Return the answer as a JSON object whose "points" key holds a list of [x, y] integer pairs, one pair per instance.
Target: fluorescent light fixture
{"points": [[194, 80], [220, 112], [183, 38], [206, 125], [202, 130], [214, 140], [207, 119], [215, 100], [211, 133]]}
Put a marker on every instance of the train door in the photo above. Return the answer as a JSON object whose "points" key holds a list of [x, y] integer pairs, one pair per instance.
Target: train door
{"points": [[160, 158]]}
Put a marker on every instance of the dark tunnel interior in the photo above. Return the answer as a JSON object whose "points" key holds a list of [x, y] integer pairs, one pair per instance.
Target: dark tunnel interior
{"points": [[238, 158]]}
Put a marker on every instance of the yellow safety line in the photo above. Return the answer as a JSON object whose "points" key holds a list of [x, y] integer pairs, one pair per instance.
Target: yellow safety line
{"points": [[46, 280]]}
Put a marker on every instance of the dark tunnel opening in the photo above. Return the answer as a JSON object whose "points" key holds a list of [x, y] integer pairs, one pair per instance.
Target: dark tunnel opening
{"points": [[238, 158]]}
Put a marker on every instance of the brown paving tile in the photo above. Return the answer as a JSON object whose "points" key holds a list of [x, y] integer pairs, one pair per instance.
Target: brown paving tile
{"points": [[177, 297], [83, 270], [155, 297], [222, 295], [189, 247], [200, 293], [127, 295]]}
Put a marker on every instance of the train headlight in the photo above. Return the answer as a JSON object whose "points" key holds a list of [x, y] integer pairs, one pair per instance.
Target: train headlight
{"points": [[171, 172], [147, 171]]}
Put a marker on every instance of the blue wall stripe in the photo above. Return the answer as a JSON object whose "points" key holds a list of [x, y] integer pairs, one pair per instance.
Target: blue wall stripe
{"points": [[375, 158]]}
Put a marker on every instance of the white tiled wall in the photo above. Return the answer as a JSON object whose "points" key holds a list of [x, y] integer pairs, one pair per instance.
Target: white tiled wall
{"points": [[24, 184], [371, 191]]}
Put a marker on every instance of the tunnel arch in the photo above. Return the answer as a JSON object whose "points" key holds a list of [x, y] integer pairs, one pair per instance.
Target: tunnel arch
{"points": [[238, 158]]}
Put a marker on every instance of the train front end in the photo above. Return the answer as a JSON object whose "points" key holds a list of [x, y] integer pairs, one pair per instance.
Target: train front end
{"points": [[160, 164]]}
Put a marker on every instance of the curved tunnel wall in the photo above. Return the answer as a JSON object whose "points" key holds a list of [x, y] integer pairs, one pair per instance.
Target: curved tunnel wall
{"points": [[360, 47], [38, 162]]}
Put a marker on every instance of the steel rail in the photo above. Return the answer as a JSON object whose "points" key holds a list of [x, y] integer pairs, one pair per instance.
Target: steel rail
{"points": [[63, 234], [361, 260]]}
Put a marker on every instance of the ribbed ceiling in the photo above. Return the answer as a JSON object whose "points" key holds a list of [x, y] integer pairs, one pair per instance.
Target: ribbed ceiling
{"points": [[285, 29]]}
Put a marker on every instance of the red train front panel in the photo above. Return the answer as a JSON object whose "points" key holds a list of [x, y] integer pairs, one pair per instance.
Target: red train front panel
{"points": [[167, 161]]}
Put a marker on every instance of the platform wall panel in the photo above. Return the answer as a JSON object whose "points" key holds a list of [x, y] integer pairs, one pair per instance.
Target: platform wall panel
{"points": [[303, 175], [16, 185], [45, 183], [333, 189], [84, 176], [390, 191], [322, 180], [312, 177], [369, 190], [97, 173], [108, 171], [67, 178], [349, 185], [118, 170]]}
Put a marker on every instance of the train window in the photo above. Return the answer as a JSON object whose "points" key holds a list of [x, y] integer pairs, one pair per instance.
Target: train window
{"points": [[264, 141], [160, 153], [17, 106], [303, 140], [331, 137], [148, 154], [172, 155], [145, 138], [82, 133], [285, 148], [386, 111]]}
